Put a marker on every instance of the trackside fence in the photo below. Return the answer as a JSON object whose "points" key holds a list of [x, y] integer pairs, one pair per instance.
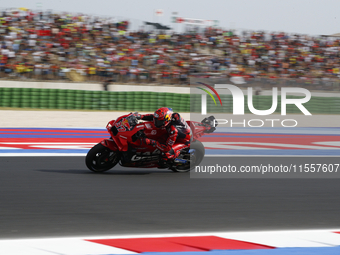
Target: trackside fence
{"points": [[145, 101]]}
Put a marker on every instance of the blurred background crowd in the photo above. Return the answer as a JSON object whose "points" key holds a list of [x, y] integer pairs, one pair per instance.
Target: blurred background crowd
{"points": [[49, 46]]}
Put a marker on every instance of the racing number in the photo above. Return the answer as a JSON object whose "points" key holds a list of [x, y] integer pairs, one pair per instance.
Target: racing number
{"points": [[120, 127]]}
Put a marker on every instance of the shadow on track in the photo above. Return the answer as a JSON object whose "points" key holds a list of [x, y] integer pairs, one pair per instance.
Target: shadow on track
{"points": [[110, 172]]}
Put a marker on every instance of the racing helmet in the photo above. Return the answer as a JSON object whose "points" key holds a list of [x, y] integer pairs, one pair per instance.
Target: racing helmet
{"points": [[162, 117]]}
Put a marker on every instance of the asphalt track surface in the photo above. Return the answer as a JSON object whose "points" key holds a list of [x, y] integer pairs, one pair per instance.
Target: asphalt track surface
{"points": [[58, 196]]}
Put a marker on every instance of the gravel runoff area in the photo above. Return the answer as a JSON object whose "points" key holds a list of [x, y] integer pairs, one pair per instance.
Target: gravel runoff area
{"points": [[99, 119]]}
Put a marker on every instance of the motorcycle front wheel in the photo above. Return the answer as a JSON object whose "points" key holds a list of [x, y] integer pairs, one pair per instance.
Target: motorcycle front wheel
{"points": [[100, 158]]}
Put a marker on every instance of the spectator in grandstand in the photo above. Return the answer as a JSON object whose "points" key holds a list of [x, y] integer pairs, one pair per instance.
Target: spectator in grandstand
{"points": [[43, 45]]}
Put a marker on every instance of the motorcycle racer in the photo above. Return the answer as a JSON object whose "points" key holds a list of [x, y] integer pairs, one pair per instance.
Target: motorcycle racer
{"points": [[132, 143], [179, 133]]}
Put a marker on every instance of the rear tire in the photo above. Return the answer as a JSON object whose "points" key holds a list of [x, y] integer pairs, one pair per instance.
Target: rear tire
{"points": [[196, 158], [100, 158]]}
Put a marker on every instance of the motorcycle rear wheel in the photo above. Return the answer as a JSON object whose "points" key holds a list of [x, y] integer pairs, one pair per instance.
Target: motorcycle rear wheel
{"points": [[195, 159], [100, 158]]}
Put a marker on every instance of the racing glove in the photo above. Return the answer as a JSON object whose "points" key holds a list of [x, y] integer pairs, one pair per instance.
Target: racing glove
{"points": [[148, 141]]}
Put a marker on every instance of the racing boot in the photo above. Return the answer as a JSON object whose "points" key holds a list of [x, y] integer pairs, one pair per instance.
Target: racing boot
{"points": [[168, 158]]}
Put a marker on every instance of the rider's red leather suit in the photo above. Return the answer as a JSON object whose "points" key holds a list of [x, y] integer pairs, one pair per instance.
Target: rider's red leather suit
{"points": [[179, 136]]}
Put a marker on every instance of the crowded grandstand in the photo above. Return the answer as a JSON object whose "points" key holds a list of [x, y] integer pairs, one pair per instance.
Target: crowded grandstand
{"points": [[42, 45]]}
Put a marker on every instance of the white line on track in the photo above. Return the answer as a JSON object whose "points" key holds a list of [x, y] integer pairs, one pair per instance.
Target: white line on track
{"points": [[278, 238]]}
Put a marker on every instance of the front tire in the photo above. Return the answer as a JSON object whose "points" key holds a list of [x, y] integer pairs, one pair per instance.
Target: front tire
{"points": [[195, 158], [100, 158]]}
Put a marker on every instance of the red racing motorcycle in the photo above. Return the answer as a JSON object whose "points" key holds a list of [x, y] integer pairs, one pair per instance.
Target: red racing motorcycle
{"points": [[125, 146]]}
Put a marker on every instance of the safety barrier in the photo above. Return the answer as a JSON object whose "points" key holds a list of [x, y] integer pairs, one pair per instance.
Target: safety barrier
{"points": [[91, 100], [145, 101]]}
